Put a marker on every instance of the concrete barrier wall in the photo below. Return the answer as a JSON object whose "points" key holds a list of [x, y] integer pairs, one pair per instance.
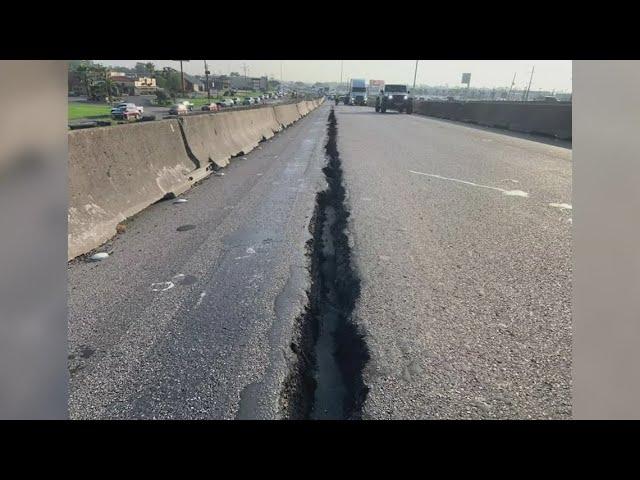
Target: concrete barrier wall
{"points": [[287, 114], [217, 138], [115, 172], [302, 108], [551, 119]]}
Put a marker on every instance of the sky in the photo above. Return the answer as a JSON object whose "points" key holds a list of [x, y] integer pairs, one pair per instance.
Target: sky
{"points": [[548, 74]]}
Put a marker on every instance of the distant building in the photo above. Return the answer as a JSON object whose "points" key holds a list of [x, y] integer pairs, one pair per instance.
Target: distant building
{"points": [[192, 84], [249, 83], [221, 82], [145, 86], [126, 85]]}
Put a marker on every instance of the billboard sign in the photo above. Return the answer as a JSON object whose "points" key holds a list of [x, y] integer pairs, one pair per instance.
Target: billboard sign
{"points": [[375, 86], [466, 78]]}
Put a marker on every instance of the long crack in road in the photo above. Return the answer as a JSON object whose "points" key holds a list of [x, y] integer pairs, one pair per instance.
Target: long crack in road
{"points": [[369, 266]]}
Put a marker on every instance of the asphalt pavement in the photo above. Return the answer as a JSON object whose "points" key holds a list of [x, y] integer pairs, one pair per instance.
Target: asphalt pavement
{"points": [[462, 240], [191, 316], [460, 237]]}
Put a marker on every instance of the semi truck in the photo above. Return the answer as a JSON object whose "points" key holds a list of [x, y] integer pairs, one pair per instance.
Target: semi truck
{"points": [[357, 92]]}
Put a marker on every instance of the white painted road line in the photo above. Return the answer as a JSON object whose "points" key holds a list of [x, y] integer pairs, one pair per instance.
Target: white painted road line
{"points": [[512, 193]]}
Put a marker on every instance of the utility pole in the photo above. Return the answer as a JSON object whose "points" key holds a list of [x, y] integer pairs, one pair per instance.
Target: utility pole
{"points": [[414, 76], [529, 87], [182, 77], [106, 83], [341, 65], [513, 82], [181, 73], [206, 75]]}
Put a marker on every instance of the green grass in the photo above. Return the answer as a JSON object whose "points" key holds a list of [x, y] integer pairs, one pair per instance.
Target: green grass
{"points": [[79, 110]]}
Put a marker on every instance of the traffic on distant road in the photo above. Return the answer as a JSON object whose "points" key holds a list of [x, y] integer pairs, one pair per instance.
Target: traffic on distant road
{"points": [[129, 111]]}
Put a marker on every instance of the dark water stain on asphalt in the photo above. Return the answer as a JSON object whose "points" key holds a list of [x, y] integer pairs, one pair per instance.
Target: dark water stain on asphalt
{"points": [[184, 228], [86, 352], [188, 280]]}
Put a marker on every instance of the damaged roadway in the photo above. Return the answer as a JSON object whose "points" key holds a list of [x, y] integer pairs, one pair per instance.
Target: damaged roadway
{"points": [[438, 253], [193, 313]]}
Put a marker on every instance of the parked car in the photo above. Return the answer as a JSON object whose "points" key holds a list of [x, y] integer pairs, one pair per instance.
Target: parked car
{"points": [[127, 112], [248, 101], [122, 105], [178, 109], [227, 102], [211, 107]]}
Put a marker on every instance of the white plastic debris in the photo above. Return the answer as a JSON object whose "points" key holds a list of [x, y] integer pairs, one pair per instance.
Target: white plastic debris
{"points": [[99, 256], [181, 200], [162, 286], [219, 174], [562, 206]]}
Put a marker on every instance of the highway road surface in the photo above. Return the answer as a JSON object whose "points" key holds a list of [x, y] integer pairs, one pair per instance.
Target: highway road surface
{"points": [[466, 282], [431, 278]]}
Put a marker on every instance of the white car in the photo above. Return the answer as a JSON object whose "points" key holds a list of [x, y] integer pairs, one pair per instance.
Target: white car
{"points": [[125, 105], [187, 104]]}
